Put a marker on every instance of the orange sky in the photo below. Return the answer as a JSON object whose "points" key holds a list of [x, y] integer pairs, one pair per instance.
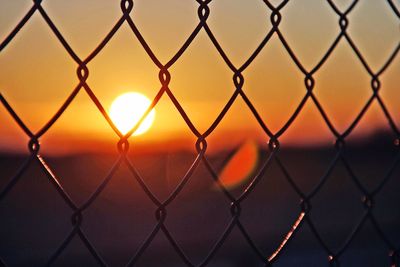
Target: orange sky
{"points": [[37, 74]]}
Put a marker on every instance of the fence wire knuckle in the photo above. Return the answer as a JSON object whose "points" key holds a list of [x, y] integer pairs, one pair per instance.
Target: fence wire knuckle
{"points": [[303, 218]]}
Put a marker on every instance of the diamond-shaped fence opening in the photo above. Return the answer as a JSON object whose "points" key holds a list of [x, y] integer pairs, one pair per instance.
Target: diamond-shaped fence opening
{"points": [[141, 226]]}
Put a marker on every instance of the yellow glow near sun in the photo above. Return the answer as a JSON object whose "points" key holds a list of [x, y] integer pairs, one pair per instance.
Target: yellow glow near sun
{"points": [[127, 109]]}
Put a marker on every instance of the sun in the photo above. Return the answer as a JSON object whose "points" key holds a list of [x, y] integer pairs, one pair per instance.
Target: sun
{"points": [[127, 109]]}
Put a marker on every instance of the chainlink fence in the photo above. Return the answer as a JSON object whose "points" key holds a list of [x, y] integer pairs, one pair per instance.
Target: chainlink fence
{"points": [[161, 210]]}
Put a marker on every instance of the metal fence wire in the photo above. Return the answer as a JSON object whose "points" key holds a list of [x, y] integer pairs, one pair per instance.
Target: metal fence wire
{"points": [[161, 211]]}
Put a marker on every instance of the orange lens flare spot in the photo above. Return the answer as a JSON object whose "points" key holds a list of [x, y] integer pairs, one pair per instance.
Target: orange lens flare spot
{"points": [[240, 166]]}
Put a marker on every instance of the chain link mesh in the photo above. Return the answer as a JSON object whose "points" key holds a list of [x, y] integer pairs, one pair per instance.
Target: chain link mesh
{"points": [[161, 211]]}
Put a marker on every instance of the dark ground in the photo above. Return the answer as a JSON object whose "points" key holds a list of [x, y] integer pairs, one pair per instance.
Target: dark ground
{"points": [[35, 219]]}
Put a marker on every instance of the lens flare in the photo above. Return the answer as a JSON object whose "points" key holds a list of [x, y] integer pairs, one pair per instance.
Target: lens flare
{"points": [[240, 166]]}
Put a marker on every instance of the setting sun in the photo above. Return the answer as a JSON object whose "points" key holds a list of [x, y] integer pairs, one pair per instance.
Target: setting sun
{"points": [[127, 109]]}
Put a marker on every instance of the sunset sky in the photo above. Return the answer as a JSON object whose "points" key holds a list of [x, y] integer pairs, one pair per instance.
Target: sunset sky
{"points": [[37, 74]]}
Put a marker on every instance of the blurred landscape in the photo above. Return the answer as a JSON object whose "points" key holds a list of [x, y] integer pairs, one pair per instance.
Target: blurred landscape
{"points": [[35, 219]]}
